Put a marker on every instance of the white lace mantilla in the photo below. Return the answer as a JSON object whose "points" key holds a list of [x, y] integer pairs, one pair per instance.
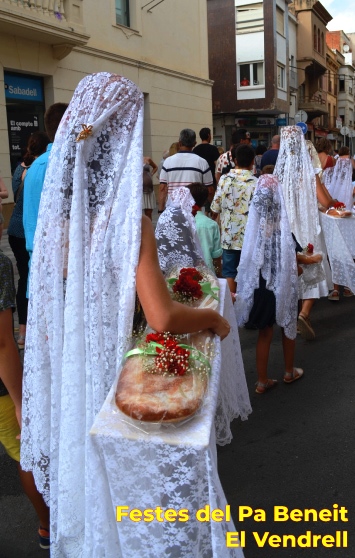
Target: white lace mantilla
{"points": [[89, 231], [339, 234], [169, 466]]}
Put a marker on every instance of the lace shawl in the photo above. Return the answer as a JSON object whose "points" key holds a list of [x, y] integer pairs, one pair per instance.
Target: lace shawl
{"points": [[296, 175], [269, 249], [176, 234], [338, 181], [88, 237]]}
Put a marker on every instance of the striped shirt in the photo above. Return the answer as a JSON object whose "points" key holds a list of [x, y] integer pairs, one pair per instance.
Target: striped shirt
{"points": [[183, 168]]}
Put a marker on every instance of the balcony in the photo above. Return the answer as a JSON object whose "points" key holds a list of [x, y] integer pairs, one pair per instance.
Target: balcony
{"points": [[55, 22], [315, 105]]}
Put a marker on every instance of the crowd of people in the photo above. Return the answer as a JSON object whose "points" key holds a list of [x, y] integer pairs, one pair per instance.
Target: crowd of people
{"points": [[78, 228]]}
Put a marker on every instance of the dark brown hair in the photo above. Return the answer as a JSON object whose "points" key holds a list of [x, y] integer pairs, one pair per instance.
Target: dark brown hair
{"points": [[36, 145], [199, 192], [323, 145], [344, 151], [52, 118]]}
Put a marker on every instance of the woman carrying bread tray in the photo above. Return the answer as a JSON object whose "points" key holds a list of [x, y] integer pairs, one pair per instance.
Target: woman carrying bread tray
{"points": [[91, 232]]}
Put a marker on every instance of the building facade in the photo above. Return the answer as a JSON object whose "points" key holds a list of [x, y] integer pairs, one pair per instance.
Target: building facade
{"points": [[48, 46], [340, 43], [249, 60]]}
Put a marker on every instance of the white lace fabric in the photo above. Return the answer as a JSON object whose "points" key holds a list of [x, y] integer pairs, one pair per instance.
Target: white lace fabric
{"points": [[296, 174], [269, 249], [338, 181], [176, 235], [339, 236], [171, 467], [88, 231]]}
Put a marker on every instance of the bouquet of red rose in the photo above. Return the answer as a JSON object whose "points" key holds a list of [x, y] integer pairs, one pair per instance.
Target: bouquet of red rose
{"points": [[165, 376]]}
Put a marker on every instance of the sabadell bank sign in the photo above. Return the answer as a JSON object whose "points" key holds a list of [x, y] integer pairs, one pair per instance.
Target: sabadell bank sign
{"points": [[23, 88]]}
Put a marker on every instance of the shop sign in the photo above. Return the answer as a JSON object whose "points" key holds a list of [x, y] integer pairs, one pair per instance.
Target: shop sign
{"points": [[265, 121], [23, 88], [20, 128], [281, 122]]}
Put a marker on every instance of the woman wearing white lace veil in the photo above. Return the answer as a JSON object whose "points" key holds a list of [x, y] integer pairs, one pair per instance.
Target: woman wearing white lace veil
{"points": [[92, 237], [301, 189], [338, 181], [176, 234], [267, 290]]}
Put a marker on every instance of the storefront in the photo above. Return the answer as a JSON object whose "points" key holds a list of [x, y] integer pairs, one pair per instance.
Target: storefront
{"points": [[24, 109]]}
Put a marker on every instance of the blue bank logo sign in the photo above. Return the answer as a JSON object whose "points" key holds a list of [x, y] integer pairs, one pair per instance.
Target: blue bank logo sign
{"points": [[23, 88]]}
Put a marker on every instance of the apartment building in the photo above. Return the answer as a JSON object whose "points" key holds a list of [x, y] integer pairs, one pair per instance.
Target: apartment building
{"points": [[339, 42], [249, 61], [48, 46]]}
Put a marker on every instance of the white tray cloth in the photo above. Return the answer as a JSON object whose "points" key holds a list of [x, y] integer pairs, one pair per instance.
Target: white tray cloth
{"points": [[339, 235], [171, 467]]}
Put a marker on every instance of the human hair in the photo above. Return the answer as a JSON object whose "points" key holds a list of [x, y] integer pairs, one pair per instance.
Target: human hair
{"points": [[268, 169], [52, 118], [36, 145], [239, 135], [244, 155], [343, 151], [323, 145], [260, 149], [174, 148], [199, 192], [187, 137], [205, 134], [220, 149]]}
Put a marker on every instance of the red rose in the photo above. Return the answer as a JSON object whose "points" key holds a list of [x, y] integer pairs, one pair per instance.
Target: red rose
{"points": [[310, 248]]}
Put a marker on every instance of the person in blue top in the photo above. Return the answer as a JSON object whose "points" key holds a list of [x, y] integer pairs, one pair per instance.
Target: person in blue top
{"points": [[207, 229], [37, 144], [35, 177]]}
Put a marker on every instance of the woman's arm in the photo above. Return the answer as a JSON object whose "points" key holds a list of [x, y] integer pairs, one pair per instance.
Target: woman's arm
{"points": [[323, 195], [161, 312], [3, 190], [149, 161], [10, 364]]}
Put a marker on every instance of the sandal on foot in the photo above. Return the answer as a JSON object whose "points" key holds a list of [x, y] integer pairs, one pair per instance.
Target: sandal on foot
{"points": [[262, 388], [44, 538], [296, 374], [347, 292], [21, 341], [305, 328], [334, 295]]}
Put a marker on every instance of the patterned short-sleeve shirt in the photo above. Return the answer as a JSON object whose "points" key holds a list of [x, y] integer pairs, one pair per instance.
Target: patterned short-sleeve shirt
{"points": [[232, 200]]}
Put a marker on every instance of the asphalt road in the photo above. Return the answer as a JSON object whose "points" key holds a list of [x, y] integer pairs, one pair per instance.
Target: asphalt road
{"points": [[295, 450]]}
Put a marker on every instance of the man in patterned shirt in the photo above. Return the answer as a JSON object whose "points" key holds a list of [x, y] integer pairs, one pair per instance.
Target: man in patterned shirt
{"points": [[232, 200]]}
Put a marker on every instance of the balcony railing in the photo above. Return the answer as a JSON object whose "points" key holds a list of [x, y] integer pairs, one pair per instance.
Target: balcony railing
{"points": [[314, 104], [50, 8], [57, 22]]}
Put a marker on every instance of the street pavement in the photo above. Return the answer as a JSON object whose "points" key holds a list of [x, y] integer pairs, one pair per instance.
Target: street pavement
{"points": [[295, 450]]}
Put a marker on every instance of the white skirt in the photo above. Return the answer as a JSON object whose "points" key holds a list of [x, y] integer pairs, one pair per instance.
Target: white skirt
{"points": [[149, 201]]}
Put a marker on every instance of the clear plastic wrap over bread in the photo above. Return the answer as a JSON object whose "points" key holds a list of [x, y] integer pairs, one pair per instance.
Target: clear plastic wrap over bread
{"points": [[165, 377]]}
